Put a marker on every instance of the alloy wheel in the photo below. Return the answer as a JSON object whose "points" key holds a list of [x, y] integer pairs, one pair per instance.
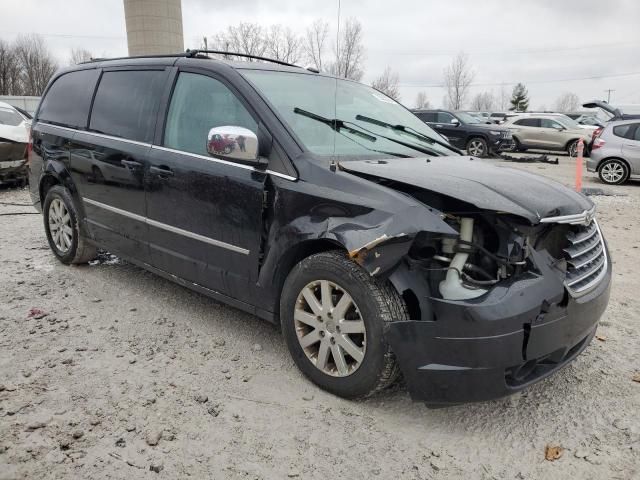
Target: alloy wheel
{"points": [[612, 172], [60, 225], [330, 328], [476, 148]]}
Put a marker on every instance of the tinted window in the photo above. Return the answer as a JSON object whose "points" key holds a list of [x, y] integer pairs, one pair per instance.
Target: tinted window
{"points": [[68, 100], [527, 122], [444, 117], [9, 117], [200, 103], [427, 116], [636, 135], [624, 131], [126, 104]]}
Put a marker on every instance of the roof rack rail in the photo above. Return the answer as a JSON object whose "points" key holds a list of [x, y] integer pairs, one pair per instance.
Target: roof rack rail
{"points": [[163, 55], [194, 52]]}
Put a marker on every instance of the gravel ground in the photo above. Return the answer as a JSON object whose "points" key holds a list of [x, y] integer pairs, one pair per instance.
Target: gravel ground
{"points": [[125, 375]]}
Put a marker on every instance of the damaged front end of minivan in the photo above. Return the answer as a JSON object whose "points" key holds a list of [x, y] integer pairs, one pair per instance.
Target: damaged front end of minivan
{"points": [[506, 291]]}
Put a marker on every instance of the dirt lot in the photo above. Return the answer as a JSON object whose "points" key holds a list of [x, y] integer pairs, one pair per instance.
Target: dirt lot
{"points": [[130, 376]]}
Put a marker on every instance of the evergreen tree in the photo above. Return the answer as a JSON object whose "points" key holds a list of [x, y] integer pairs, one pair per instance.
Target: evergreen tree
{"points": [[519, 98]]}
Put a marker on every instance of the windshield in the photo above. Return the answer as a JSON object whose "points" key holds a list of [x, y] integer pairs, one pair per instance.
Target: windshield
{"points": [[468, 118], [291, 93]]}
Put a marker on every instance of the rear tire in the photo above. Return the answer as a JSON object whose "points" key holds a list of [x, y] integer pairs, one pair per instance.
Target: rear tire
{"points": [[613, 172], [315, 331], [62, 226], [477, 147], [572, 149]]}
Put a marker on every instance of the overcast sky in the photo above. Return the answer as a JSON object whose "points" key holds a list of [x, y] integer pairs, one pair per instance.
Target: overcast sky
{"points": [[553, 46]]}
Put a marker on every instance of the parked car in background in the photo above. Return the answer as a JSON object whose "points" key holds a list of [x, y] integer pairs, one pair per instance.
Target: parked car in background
{"points": [[468, 132], [497, 117], [616, 113], [546, 132], [14, 137], [615, 154], [590, 120]]}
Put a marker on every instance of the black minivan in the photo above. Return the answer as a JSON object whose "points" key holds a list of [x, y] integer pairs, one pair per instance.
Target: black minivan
{"points": [[328, 208]]}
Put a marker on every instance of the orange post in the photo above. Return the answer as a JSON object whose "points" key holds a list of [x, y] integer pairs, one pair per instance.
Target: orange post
{"points": [[579, 161]]}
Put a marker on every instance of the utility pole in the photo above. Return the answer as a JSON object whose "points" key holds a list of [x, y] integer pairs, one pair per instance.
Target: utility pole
{"points": [[609, 94]]}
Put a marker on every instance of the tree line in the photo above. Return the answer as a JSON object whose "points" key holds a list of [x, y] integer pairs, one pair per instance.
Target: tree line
{"points": [[26, 65]]}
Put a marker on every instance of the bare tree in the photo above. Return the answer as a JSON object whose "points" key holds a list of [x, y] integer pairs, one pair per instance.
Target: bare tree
{"points": [[457, 80], [483, 101], [422, 102], [283, 44], [36, 64], [567, 102], [79, 55], [349, 51], [314, 42], [387, 83], [247, 38], [9, 70]]}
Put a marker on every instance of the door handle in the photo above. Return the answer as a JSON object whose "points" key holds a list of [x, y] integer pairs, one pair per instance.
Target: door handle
{"points": [[130, 163], [161, 171]]}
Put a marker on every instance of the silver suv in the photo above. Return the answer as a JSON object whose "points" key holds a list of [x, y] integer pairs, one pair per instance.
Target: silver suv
{"points": [[547, 132], [615, 154]]}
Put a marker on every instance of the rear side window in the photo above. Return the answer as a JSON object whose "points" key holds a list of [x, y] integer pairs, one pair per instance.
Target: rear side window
{"points": [[548, 123], [68, 100], [625, 131], [636, 135], [198, 104], [126, 104], [9, 117], [527, 122]]}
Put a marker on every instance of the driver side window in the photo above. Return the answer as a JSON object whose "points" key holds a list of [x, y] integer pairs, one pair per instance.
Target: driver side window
{"points": [[198, 104], [444, 117]]}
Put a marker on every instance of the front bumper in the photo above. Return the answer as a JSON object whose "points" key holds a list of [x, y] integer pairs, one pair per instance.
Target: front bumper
{"points": [[502, 145], [514, 336], [13, 162]]}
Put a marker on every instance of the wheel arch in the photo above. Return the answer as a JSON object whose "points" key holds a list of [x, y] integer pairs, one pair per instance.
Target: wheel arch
{"points": [[294, 255]]}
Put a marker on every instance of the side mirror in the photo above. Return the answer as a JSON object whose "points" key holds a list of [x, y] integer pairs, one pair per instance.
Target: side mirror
{"points": [[455, 121], [233, 143]]}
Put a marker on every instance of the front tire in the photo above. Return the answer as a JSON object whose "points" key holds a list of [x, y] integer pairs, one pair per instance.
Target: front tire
{"points": [[335, 318], [477, 147], [613, 172], [62, 226]]}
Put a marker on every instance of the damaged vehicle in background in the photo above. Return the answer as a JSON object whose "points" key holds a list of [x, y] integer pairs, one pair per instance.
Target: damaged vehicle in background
{"points": [[338, 214], [14, 136]]}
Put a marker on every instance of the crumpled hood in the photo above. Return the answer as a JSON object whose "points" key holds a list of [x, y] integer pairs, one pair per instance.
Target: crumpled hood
{"points": [[479, 183]]}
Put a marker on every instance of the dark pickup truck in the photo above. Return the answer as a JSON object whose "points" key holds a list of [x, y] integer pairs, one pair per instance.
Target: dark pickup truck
{"points": [[468, 132]]}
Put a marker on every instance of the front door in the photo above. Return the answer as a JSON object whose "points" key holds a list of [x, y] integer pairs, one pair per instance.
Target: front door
{"points": [[109, 158], [204, 213], [455, 132]]}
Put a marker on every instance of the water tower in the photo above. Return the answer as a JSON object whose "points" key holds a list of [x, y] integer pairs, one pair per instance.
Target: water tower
{"points": [[154, 26]]}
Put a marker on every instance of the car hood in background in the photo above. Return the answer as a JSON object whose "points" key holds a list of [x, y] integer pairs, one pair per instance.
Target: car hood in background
{"points": [[479, 183], [15, 133]]}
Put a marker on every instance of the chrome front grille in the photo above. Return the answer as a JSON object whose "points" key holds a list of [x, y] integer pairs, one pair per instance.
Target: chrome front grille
{"points": [[586, 257]]}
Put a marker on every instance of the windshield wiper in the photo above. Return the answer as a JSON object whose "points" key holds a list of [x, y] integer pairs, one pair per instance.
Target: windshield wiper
{"points": [[337, 124], [334, 123], [408, 130]]}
